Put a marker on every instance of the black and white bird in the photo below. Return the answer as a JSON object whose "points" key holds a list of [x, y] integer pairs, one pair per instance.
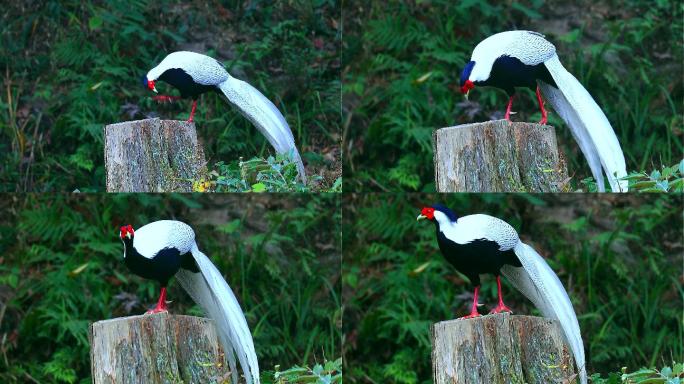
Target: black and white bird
{"points": [[482, 244], [194, 74], [167, 248], [526, 59]]}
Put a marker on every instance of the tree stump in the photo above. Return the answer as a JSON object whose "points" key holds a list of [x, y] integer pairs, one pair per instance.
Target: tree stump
{"points": [[500, 349], [498, 156], [158, 348], [152, 155]]}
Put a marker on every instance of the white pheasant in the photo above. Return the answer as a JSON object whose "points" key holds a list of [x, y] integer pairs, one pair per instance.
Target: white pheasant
{"points": [[194, 74], [167, 248], [513, 59]]}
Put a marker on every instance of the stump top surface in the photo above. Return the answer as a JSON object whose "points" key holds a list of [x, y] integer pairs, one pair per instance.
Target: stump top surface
{"points": [[499, 123], [147, 121], [150, 317], [497, 316]]}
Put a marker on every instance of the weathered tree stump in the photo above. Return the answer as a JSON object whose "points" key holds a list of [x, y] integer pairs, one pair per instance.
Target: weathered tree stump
{"points": [[500, 349], [498, 156], [159, 348], [152, 155]]}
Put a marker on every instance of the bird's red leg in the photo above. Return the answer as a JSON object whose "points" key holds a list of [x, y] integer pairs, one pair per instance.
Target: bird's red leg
{"points": [[501, 307], [541, 106], [162, 98], [473, 311], [507, 116], [192, 113], [161, 304]]}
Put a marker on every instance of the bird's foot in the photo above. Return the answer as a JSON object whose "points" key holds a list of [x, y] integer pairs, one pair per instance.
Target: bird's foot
{"points": [[157, 310], [543, 121], [471, 316], [163, 98], [500, 308]]}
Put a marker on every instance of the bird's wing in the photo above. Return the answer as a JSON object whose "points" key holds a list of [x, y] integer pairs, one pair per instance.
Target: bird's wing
{"points": [[203, 69], [537, 281], [588, 124], [153, 237], [265, 116], [531, 48], [474, 227], [212, 293]]}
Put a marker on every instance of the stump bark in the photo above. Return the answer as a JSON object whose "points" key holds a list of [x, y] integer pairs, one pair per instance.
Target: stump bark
{"points": [[500, 349], [152, 155], [498, 156], [159, 348]]}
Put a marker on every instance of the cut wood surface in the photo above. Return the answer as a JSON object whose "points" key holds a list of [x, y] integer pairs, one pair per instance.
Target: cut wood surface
{"points": [[500, 349], [158, 348], [498, 156], [152, 155]]}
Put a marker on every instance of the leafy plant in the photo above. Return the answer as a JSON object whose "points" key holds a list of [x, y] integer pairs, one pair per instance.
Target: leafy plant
{"points": [[667, 375]]}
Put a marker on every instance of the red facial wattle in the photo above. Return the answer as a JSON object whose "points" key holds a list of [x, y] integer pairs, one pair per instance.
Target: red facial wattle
{"points": [[467, 86], [429, 213], [150, 85]]}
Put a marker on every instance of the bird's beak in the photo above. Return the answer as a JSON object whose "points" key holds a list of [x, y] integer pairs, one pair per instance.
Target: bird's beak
{"points": [[128, 235], [154, 89], [465, 95], [421, 217]]}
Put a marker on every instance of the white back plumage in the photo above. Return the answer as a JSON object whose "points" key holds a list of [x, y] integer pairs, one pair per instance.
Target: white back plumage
{"points": [[473, 227], [536, 280], [153, 237], [572, 102], [251, 103], [208, 289]]}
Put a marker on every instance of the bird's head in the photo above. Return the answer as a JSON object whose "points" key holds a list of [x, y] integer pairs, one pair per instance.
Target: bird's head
{"points": [[149, 84], [126, 233], [437, 213], [466, 83]]}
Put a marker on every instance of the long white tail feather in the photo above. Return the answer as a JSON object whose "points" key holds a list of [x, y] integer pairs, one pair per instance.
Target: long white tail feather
{"points": [[212, 293], [537, 281], [588, 124], [258, 109]]}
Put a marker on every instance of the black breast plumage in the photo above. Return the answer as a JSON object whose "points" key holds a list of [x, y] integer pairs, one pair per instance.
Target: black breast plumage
{"points": [[509, 72], [184, 83], [480, 256], [162, 266]]}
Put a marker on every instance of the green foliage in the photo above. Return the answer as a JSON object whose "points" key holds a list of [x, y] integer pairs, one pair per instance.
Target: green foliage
{"points": [[618, 258], [328, 373], [275, 174], [667, 375], [403, 61], [70, 67], [670, 179], [62, 269]]}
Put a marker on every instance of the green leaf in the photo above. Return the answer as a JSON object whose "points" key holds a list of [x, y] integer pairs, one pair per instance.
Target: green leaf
{"points": [[95, 22]]}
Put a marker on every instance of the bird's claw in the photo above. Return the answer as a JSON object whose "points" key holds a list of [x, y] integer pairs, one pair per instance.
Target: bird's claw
{"points": [[500, 308], [163, 98], [156, 310], [472, 315]]}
